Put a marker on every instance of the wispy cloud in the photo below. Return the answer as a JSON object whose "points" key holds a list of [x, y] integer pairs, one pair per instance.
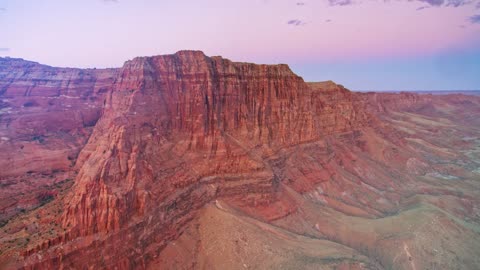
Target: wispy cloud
{"points": [[4, 49], [340, 2], [422, 8], [434, 3], [475, 4], [2, 9], [448, 3], [296, 22], [110, 1], [300, 4], [328, 20], [457, 3], [475, 19]]}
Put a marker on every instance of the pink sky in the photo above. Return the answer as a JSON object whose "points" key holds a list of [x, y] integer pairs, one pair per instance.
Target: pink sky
{"points": [[98, 33]]}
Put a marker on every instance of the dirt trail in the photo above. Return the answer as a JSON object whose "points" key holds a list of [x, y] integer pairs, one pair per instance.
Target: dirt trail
{"points": [[409, 256]]}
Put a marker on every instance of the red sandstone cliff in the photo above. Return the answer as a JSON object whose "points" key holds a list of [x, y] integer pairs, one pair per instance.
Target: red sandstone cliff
{"points": [[178, 132], [188, 126], [46, 116]]}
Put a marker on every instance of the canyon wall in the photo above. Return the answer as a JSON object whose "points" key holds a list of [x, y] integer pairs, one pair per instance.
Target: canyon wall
{"points": [[188, 126], [46, 117], [153, 143]]}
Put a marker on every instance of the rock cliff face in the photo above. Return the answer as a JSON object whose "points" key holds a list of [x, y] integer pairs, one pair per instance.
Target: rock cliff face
{"points": [[171, 143], [46, 116], [188, 126]]}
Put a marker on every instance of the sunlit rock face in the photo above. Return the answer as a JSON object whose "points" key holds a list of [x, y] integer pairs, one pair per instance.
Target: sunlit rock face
{"points": [[136, 167]]}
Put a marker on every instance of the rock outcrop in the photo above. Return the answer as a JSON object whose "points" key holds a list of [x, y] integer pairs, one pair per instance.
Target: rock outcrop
{"points": [[188, 126], [165, 136], [46, 117]]}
